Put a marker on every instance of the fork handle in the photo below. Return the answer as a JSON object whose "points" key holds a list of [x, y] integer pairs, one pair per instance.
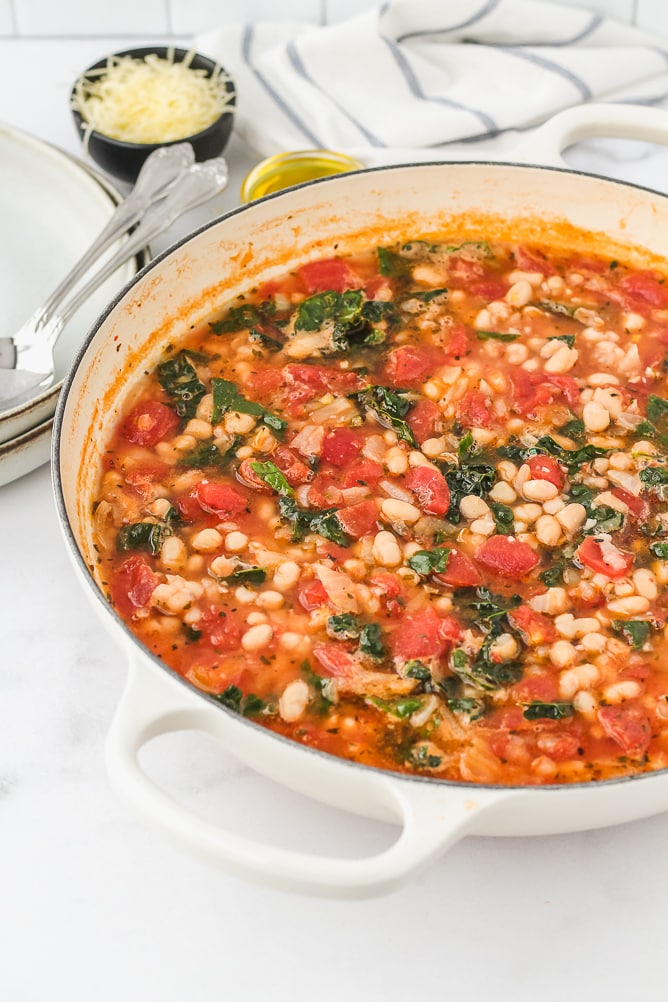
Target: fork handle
{"points": [[198, 184], [160, 172]]}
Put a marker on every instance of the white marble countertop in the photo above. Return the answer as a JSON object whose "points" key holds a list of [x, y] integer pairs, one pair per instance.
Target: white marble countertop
{"points": [[94, 905]]}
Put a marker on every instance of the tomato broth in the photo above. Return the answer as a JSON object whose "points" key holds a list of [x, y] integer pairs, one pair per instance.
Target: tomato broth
{"points": [[410, 507]]}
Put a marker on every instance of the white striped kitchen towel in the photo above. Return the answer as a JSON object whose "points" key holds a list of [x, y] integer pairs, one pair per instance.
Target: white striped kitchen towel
{"points": [[423, 79]]}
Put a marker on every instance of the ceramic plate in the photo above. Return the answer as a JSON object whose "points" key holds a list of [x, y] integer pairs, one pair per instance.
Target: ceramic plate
{"points": [[52, 207], [25, 453]]}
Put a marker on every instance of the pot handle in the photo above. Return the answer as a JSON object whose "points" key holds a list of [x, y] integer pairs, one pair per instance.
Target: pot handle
{"points": [[433, 816], [589, 121]]}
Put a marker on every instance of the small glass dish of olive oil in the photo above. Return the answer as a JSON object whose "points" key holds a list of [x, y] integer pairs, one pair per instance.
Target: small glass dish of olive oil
{"points": [[284, 170]]}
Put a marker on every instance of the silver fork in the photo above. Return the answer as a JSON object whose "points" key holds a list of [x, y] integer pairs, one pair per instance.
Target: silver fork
{"points": [[26, 359]]}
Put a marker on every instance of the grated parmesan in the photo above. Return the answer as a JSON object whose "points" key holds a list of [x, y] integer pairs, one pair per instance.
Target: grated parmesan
{"points": [[151, 100]]}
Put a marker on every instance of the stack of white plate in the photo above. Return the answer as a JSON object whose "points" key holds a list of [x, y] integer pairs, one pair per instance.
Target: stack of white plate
{"points": [[52, 207]]}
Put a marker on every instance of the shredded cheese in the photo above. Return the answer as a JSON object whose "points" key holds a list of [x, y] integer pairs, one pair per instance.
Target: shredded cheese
{"points": [[151, 100]]}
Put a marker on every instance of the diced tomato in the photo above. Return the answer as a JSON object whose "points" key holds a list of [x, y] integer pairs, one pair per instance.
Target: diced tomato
{"points": [[462, 271], [472, 410], [220, 499], [149, 422], [644, 289], [546, 468], [460, 571], [146, 473], [614, 564], [536, 629], [430, 488], [324, 491], [359, 519], [333, 273], [489, 288], [532, 261], [312, 595], [341, 447], [561, 747], [628, 725], [418, 635], [458, 344], [132, 585], [422, 419], [543, 688], [566, 387], [362, 472], [389, 589], [511, 747], [638, 506], [296, 384], [537, 389], [507, 556], [264, 384], [248, 476], [378, 287], [410, 365], [336, 660], [189, 507], [450, 629], [221, 628], [291, 466]]}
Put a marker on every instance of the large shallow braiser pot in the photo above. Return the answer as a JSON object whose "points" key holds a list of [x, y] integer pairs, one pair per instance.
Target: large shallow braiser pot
{"points": [[182, 288]]}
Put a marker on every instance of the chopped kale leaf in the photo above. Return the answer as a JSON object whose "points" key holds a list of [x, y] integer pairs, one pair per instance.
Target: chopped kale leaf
{"points": [[226, 397], [495, 336], [273, 477], [343, 626], [633, 631], [240, 317], [233, 698], [180, 381], [246, 575], [371, 641], [504, 518], [325, 522], [426, 562], [548, 711], [142, 536], [390, 408]]}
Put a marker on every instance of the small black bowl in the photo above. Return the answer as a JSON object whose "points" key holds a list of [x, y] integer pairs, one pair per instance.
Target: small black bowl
{"points": [[124, 160]]}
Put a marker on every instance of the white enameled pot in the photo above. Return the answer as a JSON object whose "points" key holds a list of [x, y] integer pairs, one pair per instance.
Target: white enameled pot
{"points": [[182, 288]]}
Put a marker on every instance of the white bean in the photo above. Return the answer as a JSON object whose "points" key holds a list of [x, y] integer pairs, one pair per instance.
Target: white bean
{"points": [[293, 700], [572, 517], [645, 583], [563, 360], [539, 490], [582, 676], [206, 541], [386, 550], [286, 575], [235, 542], [548, 530], [595, 416], [634, 605], [471, 506], [400, 511], [173, 553], [257, 637]]}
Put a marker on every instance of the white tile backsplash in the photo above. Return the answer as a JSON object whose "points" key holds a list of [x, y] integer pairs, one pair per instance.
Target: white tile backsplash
{"points": [[72, 18], [80, 18], [7, 25], [194, 16]]}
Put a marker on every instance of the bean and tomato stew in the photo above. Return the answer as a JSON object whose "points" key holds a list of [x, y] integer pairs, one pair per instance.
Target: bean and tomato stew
{"points": [[410, 507]]}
